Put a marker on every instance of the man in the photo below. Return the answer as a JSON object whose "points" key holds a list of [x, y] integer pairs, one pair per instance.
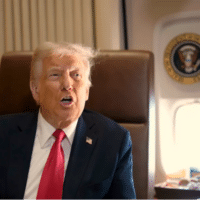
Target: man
{"points": [[63, 151]]}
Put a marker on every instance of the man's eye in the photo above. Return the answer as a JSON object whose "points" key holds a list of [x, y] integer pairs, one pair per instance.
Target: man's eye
{"points": [[55, 74], [76, 75]]}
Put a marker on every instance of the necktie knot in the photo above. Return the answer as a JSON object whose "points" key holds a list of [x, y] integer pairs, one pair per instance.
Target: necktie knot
{"points": [[59, 134]]}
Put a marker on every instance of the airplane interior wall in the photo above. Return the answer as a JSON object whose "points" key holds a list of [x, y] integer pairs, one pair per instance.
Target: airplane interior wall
{"points": [[144, 20]]}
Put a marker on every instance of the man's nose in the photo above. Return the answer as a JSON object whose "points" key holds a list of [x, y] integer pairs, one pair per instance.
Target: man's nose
{"points": [[66, 83]]}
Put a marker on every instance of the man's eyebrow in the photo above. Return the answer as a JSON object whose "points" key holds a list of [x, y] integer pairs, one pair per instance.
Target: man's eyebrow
{"points": [[59, 68], [54, 68], [74, 67]]}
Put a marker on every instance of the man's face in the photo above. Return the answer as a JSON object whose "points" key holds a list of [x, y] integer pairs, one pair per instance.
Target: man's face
{"points": [[62, 89]]}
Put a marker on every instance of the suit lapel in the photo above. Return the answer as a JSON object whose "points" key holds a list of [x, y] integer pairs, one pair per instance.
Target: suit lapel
{"points": [[83, 145], [21, 144]]}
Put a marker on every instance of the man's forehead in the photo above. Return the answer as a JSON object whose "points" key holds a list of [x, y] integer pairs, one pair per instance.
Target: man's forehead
{"points": [[62, 67], [64, 59]]}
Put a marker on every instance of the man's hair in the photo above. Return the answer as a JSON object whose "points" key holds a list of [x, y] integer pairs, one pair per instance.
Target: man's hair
{"points": [[47, 49]]}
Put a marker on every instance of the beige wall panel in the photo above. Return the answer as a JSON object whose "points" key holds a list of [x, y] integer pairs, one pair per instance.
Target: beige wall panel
{"points": [[29, 23], [50, 6], [34, 24], [88, 38], [68, 17], [17, 25], [144, 14], [42, 21], [1, 29], [107, 19], [8, 28], [25, 25], [59, 20], [77, 21]]}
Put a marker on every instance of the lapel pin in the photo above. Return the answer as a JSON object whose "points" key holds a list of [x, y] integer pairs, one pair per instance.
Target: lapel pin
{"points": [[88, 140]]}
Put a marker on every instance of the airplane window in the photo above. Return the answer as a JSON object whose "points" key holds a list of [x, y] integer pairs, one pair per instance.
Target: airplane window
{"points": [[187, 139]]}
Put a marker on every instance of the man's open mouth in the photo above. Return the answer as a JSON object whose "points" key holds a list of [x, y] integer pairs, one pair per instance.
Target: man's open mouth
{"points": [[67, 100]]}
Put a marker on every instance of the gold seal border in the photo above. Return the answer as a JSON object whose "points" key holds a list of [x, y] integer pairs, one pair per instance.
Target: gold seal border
{"points": [[167, 57]]}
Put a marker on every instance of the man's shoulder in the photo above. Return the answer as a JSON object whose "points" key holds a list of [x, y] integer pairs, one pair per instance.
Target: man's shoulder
{"points": [[17, 115], [108, 131], [102, 121], [10, 119]]}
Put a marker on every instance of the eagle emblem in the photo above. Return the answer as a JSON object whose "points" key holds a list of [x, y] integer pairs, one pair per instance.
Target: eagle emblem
{"points": [[182, 58], [188, 55]]}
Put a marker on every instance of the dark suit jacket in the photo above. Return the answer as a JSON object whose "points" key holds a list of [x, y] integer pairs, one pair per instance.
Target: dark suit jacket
{"points": [[102, 169]]}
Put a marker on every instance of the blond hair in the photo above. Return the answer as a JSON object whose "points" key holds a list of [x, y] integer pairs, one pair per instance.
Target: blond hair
{"points": [[47, 49]]}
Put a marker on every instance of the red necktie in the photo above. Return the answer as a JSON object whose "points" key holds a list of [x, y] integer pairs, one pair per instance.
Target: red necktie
{"points": [[51, 183]]}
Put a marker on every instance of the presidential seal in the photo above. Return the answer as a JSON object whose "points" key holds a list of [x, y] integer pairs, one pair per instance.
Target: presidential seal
{"points": [[182, 58]]}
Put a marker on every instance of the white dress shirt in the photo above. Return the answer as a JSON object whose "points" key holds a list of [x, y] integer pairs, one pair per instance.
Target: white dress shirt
{"points": [[42, 145]]}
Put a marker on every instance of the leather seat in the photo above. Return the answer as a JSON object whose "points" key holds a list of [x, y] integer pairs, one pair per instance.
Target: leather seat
{"points": [[122, 90]]}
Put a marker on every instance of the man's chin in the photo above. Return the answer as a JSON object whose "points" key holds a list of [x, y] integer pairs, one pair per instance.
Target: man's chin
{"points": [[67, 115]]}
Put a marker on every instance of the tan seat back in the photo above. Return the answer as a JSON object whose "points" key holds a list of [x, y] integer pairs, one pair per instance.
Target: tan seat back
{"points": [[122, 90]]}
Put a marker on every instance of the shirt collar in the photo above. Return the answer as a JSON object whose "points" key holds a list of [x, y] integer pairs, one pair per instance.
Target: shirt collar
{"points": [[46, 130]]}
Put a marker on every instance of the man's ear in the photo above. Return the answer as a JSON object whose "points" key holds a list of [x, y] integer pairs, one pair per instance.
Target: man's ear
{"points": [[87, 93], [35, 91]]}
